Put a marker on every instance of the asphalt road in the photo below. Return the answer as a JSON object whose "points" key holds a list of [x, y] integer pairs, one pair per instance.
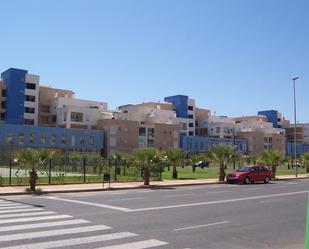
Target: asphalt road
{"points": [[222, 216]]}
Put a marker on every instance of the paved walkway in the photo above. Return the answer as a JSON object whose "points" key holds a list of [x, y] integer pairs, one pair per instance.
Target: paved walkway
{"points": [[13, 190]]}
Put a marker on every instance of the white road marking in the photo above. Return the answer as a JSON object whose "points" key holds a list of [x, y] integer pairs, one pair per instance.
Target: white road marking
{"points": [[176, 195], [3, 216], [41, 225], [200, 226], [17, 206], [137, 245], [216, 202], [219, 191], [291, 183], [52, 217], [275, 200], [9, 204], [72, 242], [127, 199], [50, 233], [18, 211], [91, 204]]}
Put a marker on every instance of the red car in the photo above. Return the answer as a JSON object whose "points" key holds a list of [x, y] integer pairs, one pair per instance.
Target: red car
{"points": [[250, 174]]}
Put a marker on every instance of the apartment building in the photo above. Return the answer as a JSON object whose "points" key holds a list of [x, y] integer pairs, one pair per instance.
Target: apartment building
{"points": [[21, 93], [273, 116], [260, 133], [46, 98], [78, 113], [185, 112]]}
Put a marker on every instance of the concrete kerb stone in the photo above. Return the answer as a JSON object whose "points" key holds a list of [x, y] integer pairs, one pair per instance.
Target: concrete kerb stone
{"points": [[152, 186]]}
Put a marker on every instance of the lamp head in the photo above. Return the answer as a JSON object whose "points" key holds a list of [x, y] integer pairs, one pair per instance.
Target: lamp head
{"points": [[295, 78]]}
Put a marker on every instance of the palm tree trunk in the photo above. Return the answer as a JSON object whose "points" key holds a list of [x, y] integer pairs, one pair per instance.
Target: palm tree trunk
{"points": [[273, 169], [146, 176], [174, 172], [32, 179], [307, 169], [221, 173]]}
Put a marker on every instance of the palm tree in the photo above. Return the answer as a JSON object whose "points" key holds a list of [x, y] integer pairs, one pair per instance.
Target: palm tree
{"points": [[30, 159], [144, 159], [195, 159], [305, 161], [175, 156], [273, 159], [221, 154]]}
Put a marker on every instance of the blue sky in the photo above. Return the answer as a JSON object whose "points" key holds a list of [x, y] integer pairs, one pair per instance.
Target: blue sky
{"points": [[235, 57]]}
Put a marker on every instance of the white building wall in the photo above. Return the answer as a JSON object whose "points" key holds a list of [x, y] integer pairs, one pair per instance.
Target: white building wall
{"points": [[34, 79]]}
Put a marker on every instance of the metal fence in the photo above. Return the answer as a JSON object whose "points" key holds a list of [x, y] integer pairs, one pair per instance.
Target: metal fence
{"points": [[66, 171]]}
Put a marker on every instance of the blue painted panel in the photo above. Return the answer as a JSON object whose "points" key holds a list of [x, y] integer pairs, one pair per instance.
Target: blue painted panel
{"points": [[14, 80], [301, 148], [271, 115], [181, 104], [48, 132], [197, 144]]}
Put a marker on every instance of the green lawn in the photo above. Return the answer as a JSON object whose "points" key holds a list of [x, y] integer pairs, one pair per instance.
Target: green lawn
{"points": [[183, 174], [212, 173]]}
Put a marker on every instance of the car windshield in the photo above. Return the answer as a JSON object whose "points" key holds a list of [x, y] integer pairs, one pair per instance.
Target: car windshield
{"points": [[243, 169]]}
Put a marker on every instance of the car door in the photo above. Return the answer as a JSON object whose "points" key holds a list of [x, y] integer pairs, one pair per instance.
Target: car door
{"points": [[254, 174]]}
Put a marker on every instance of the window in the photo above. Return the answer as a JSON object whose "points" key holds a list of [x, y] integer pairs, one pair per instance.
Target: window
{"points": [[63, 139], [29, 110], [30, 98], [43, 139], [190, 133], [190, 107], [73, 140], [29, 121], [191, 125], [190, 116], [53, 139], [30, 86], [3, 104], [31, 138], [91, 140], [77, 117], [21, 138], [9, 138], [81, 140], [218, 130], [142, 131], [2, 116], [113, 130], [3, 92]]}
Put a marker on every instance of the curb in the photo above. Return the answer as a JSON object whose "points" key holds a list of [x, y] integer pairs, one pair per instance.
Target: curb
{"points": [[154, 186]]}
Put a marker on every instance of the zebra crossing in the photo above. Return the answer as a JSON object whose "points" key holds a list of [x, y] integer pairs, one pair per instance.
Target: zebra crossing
{"points": [[23, 226]]}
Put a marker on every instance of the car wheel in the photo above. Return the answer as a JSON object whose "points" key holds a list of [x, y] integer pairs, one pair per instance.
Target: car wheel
{"points": [[247, 180], [266, 180]]}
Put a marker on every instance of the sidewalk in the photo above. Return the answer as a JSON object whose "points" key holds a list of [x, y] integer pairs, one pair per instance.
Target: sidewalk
{"points": [[87, 187]]}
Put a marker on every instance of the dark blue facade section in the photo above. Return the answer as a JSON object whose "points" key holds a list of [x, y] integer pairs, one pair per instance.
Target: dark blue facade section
{"points": [[14, 80], [272, 116], [51, 137], [198, 144], [181, 104], [301, 148]]}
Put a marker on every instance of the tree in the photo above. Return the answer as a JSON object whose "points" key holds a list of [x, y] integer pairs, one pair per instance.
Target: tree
{"points": [[174, 157], [273, 159], [221, 154], [30, 159], [144, 159], [304, 159]]}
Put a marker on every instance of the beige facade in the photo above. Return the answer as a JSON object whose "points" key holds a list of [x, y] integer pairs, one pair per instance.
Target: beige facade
{"points": [[259, 141], [119, 135], [46, 97], [166, 136]]}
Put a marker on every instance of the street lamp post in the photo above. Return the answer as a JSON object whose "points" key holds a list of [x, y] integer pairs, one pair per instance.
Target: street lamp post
{"points": [[295, 153]]}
